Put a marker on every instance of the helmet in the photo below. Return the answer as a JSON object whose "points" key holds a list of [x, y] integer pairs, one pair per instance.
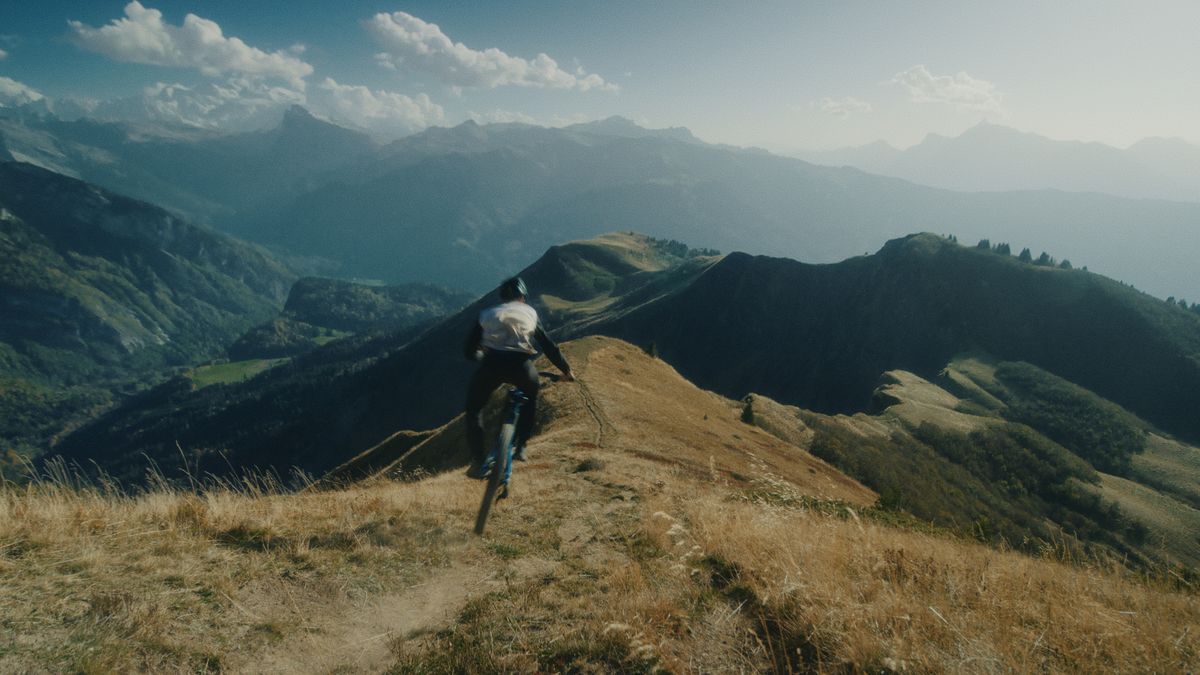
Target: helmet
{"points": [[512, 289]]}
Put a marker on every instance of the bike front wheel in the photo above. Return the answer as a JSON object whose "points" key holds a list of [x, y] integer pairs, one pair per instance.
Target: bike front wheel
{"points": [[501, 470]]}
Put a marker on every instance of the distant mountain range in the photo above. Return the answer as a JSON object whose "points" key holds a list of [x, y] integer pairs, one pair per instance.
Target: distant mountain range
{"points": [[989, 157], [467, 205]]}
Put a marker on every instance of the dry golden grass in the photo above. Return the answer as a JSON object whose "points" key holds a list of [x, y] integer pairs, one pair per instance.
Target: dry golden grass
{"points": [[706, 549], [840, 593], [174, 581]]}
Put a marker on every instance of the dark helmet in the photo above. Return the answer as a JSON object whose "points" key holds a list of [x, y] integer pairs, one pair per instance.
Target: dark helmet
{"points": [[512, 289]]}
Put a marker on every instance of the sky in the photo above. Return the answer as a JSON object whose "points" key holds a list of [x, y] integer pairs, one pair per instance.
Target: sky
{"points": [[785, 76]]}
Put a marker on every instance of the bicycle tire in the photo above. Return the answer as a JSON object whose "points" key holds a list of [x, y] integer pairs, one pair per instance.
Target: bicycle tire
{"points": [[499, 468]]}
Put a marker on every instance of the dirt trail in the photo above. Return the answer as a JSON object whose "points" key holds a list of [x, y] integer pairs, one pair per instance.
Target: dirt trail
{"points": [[356, 638]]}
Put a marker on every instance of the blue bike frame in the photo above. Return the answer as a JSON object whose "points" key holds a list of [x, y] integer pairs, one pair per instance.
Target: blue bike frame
{"points": [[516, 401]]}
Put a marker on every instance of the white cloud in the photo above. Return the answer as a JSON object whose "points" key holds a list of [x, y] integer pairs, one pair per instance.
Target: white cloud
{"points": [[239, 104], [409, 42], [499, 116], [142, 37], [961, 91], [843, 107], [378, 111], [13, 93], [3, 55]]}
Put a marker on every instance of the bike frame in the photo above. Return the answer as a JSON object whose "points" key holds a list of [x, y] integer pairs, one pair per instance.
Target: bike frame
{"points": [[500, 458]]}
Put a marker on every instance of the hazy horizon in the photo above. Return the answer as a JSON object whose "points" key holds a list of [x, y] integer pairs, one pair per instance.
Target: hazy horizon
{"points": [[770, 75]]}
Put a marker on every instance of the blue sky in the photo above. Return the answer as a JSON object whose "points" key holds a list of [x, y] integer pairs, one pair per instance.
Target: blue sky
{"points": [[778, 75]]}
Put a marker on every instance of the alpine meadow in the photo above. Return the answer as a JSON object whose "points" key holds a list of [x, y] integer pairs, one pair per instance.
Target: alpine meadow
{"points": [[775, 337]]}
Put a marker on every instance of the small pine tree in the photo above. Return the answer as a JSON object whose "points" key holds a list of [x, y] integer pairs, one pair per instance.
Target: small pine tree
{"points": [[748, 410], [1025, 256], [985, 244], [652, 349], [1045, 259], [1003, 249], [1065, 264], [1170, 299]]}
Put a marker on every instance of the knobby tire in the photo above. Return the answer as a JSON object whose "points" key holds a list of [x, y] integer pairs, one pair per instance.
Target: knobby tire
{"points": [[499, 468]]}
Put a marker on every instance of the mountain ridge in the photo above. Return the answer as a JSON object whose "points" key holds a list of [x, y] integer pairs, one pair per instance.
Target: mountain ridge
{"points": [[993, 157], [485, 200], [774, 326]]}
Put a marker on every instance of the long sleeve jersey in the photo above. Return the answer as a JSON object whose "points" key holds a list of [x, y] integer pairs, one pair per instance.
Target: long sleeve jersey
{"points": [[512, 327]]}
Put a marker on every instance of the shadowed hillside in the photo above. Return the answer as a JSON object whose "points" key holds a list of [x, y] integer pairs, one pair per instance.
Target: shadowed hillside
{"points": [[817, 336]]}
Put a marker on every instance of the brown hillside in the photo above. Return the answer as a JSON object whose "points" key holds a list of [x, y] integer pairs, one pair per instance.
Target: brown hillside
{"points": [[629, 403]]}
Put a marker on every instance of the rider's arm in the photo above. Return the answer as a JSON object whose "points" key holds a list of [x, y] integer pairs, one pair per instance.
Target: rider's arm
{"points": [[471, 347], [551, 350]]}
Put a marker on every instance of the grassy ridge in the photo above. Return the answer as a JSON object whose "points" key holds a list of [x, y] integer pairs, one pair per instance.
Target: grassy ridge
{"points": [[627, 566]]}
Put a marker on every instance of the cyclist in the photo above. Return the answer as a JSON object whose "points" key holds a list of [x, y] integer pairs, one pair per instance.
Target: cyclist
{"points": [[504, 339]]}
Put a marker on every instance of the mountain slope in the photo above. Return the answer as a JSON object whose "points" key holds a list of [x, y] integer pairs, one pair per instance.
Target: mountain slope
{"points": [[98, 290], [818, 336], [207, 177], [328, 405], [977, 463], [318, 310]]}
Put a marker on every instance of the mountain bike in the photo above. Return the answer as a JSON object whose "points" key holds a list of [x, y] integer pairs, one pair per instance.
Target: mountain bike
{"points": [[499, 462]]}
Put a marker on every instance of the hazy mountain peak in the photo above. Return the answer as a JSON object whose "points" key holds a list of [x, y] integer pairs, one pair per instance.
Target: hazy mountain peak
{"points": [[920, 243], [617, 125], [297, 113]]}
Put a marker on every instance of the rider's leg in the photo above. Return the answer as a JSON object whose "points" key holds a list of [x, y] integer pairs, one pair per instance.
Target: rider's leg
{"points": [[527, 381], [483, 383]]}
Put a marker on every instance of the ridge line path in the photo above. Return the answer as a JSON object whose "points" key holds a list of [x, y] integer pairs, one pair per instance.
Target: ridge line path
{"points": [[560, 515]]}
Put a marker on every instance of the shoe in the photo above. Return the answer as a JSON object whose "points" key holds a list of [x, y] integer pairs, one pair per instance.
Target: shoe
{"points": [[479, 470], [502, 493], [519, 455]]}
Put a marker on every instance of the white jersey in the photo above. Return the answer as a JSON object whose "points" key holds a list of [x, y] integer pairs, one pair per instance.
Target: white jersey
{"points": [[509, 327]]}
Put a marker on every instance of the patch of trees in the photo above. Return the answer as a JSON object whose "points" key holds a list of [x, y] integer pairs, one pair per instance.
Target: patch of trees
{"points": [[1026, 256], [678, 249], [1087, 425], [1001, 484]]}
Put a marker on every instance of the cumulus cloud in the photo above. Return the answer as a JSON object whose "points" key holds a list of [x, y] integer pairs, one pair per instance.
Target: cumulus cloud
{"points": [[142, 37], [3, 55], [235, 105], [499, 116], [409, 42], [13, 93], [961, 91], [843, 107], [377, 111]]}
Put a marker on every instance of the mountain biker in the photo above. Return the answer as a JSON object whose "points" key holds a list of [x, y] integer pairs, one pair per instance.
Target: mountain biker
{"points": [[504, 339]]}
